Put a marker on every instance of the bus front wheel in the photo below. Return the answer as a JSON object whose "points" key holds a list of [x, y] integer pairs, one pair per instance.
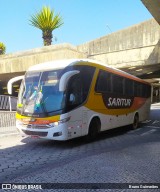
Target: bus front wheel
{"points": [[94, 129]]}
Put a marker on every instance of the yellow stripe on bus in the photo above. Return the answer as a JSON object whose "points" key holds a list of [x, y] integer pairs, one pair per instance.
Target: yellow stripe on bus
{"points": [[36, 120]]}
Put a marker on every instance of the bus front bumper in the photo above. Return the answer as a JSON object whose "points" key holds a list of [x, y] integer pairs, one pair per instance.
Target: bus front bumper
{"points": [[59, 132]]}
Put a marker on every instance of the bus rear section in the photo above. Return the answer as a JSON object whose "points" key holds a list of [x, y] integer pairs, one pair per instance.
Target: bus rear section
{"points": [[118, 99]]}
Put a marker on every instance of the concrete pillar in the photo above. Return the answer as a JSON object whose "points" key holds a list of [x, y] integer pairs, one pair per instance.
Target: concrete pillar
{"points": [[152, 94]]}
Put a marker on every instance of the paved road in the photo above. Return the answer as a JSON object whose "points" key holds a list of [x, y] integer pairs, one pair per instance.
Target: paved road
{"points": [[117, 156]]}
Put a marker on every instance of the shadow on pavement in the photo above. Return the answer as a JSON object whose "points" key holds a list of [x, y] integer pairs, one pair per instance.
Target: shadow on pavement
{"points": [[35, 155]]}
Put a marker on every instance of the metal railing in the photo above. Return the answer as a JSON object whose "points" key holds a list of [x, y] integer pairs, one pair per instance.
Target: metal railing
{"points": [[7, 122], [7, 119], [8, 103]]}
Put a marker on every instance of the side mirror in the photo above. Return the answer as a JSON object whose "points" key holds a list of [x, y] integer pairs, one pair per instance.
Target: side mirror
{"points": [[65, 78], [11, 81]]}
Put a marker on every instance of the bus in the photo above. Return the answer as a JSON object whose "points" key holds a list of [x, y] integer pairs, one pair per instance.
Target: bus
{"points": [[65, 99]]}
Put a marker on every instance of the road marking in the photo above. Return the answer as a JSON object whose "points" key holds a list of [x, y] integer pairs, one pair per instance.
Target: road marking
{"points": [[146, 121], [148, 132], [155, 127], [155, 122], [155, 107], [136, 130]]}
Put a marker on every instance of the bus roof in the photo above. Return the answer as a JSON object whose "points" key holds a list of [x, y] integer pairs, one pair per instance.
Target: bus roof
{"points": [[60, 64], [55, 64]]}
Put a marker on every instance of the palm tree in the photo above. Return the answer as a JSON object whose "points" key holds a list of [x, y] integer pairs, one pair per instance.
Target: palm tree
{"points": [[47, 21], [2, 48]]}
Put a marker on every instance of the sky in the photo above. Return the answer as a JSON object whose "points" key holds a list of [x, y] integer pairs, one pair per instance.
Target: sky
{"points": [[84, 20]]}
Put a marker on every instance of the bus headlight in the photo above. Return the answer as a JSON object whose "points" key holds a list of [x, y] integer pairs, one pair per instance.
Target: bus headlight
{"points": [[60, 122], [56, 123]]}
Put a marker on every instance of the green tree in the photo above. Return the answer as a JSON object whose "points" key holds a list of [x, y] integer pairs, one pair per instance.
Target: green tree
{"points": [[2, 48], [47, 21]]}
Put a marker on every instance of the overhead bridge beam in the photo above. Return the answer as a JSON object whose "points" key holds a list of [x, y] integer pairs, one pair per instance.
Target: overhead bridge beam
{"points": [[153, 7]]}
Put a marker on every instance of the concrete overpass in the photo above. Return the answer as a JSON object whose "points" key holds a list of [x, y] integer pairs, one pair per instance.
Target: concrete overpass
{"points": [[153, 7], [135, 50], [137, 47]]}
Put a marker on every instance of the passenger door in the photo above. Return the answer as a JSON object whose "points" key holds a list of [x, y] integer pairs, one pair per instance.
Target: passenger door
{"points": [[74, 101]]}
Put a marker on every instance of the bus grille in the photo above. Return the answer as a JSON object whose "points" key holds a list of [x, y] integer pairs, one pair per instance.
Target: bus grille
{"points": [[36, 133], [34, 126]]}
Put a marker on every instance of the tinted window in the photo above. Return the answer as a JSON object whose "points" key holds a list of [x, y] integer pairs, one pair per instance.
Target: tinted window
{"points": [[146, 91], [79, 85], [75, 92], [86, 75], [128, 88], [111, 83], [103, 82], [117, 84], [137, 89]]}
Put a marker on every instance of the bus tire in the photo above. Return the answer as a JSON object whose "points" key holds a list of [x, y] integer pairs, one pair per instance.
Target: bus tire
{"points": [[94, 129], [135, 121]]}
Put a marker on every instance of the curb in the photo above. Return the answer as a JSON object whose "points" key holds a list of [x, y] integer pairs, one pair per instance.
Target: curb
{"points": [[8, 134]]}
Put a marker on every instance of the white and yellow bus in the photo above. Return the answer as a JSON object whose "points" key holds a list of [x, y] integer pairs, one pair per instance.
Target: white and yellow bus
{"points": [[64, 99]]}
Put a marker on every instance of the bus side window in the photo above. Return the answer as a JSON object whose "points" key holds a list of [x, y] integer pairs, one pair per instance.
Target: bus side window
{"points": [[75, 92], [117, 84], [146, 91], [128, 88], [103, 83], [137, 89]]}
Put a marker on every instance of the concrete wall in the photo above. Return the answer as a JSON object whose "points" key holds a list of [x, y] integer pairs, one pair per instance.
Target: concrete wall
{"points": [[20, 61], [129, 47], [135, 46]]}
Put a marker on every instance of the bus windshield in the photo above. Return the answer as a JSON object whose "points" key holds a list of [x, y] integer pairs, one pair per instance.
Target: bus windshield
{"points": [[39, 93]]}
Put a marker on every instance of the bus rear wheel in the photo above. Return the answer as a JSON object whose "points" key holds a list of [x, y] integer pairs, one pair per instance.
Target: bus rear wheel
{"points": [[135, 121], [94, 129]]}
